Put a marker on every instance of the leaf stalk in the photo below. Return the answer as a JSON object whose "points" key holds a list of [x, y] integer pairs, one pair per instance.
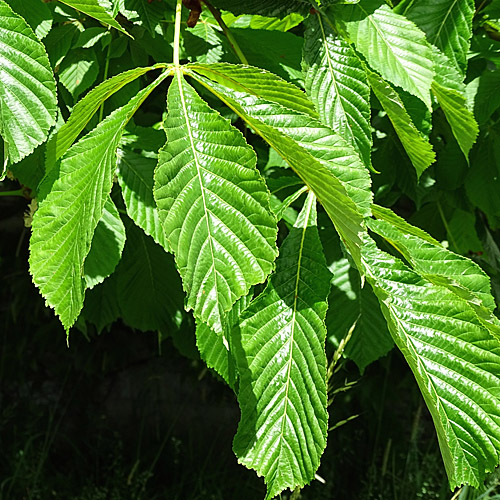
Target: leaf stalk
{"points": [[177, 32], [230, 37]]}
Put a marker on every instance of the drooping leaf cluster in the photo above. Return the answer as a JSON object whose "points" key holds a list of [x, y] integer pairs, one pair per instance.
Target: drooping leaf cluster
{"points": [[204, 204]]}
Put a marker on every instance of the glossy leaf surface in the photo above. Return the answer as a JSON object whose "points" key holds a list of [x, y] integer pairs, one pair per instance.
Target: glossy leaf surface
{"points": [[64, 224], [84, 110], [392, 45], [318, 155], [447, 24], [98, 9], [280, 354], [455, 360], [214, 206], [336, 82]]}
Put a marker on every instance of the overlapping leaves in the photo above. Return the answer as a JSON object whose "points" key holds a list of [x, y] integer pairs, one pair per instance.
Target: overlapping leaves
{"points": [[336, 82], [391, 44], [446, 23], [325, 162], [64, 224]]}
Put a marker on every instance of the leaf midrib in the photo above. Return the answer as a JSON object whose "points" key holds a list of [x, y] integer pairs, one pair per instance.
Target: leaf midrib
{"points": [[332, 74], [310, 201], [444, 22], [198, 173]]}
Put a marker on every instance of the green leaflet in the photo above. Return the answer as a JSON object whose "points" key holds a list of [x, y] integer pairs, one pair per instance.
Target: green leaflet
{"points": [[98, 9], [84, 110], [323, 160], [143, 13], [259, 83], [336, 82], [449, 90], [416, 146], [352, 306], [214, 349], [204, 43], [79, 71], [135, 176], [447, 24], [64, 224], [280, 355], [455, 361], [214, 206], [441, 267], [262, 22], [461, 120], [392, 45], [150, 295], [27, 87], [107, 246]]}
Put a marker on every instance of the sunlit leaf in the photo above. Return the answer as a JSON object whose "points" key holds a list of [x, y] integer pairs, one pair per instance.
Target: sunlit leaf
{"points": [[280, 355], [214, 206], [336, 82], [64, 224]]}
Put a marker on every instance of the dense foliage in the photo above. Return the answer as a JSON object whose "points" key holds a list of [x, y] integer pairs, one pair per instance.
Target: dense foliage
{"points": [[321, 181]]}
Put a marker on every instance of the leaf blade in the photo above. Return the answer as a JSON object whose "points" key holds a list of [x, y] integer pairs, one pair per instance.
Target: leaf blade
{"points": [[392, 45], [214, 206], [454, 359], [279, 349], [336, 82], [27, 87], [61, 238], [98, 9], [447, 24], [416, 146]]}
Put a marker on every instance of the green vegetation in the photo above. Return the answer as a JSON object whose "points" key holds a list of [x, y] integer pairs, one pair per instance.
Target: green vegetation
{"points": [[284, 191]]}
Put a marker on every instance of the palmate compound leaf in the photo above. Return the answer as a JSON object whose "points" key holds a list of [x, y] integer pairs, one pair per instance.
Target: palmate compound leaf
{"points": [[417, 147], [455, 360], [28, 100], [327, 164], [280, 356], [391, 44], [64, 224], [136, 178], [214, 206], [447, 24], [335, 80]]}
